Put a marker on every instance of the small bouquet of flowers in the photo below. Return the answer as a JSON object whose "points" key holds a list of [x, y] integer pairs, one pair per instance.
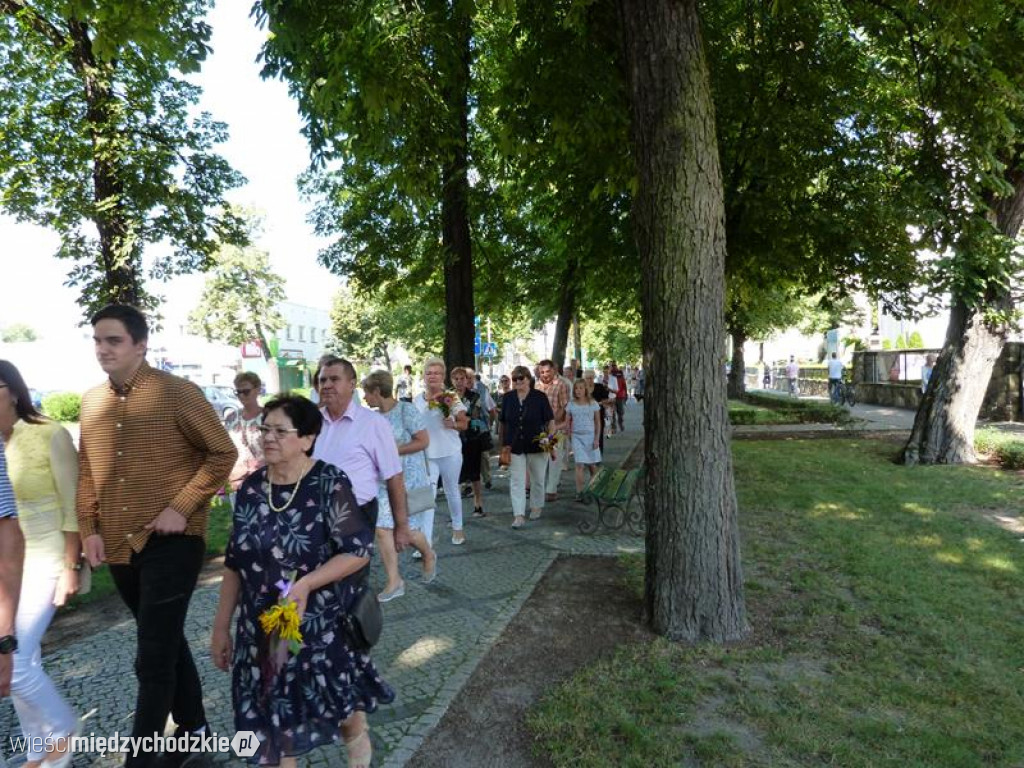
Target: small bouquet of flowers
{"points": [[280, 624], [550, 443], [444, 402]]}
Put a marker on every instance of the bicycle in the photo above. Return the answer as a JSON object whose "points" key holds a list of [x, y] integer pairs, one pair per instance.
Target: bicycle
{"points": [[843, 393]]}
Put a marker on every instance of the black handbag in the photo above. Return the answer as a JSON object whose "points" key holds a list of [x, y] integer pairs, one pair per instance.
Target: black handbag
{"points": [[363, 624]]}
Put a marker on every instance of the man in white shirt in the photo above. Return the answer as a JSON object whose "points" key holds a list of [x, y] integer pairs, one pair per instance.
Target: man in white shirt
{"points": [[793, 374], [835, 377], [612, 382]]}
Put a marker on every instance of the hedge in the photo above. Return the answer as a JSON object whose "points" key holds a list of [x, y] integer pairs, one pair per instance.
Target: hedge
{"points": [[63, 406]]}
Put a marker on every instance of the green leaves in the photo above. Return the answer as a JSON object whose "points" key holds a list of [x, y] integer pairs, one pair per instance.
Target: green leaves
{"points": [[240, 299], [97, 136]]}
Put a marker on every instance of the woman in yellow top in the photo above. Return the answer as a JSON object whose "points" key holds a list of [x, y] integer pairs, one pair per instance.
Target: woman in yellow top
{"points": [[43, 467]]}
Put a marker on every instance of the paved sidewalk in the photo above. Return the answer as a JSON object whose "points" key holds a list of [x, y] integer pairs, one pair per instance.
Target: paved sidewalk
{"points": [[873, 418], [434, 636]]}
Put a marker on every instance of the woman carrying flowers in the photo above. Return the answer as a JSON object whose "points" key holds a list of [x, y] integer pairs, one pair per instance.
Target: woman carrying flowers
{"points": [[525, 415], [445, 417], [293, 566]]}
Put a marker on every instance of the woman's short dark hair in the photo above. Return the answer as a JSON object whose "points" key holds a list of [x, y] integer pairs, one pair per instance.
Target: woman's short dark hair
{"points": [[304, 415], [18, 390], [133, 319], [522, 370]]}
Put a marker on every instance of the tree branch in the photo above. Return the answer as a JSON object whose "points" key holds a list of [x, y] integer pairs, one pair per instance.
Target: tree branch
{"points": [[35, 20]]}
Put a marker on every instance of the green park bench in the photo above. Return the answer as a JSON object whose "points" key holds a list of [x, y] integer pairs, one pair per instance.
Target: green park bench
{"points": [[615, 491]]}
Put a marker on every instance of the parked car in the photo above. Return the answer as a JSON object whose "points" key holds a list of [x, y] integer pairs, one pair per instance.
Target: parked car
{"points": [[223, 400]]}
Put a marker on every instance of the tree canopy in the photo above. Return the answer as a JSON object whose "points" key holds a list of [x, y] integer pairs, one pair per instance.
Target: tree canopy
{"points": [[99, 140]]}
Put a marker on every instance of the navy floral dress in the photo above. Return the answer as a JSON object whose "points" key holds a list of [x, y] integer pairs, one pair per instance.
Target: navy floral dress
{"points": [[302, 706]]}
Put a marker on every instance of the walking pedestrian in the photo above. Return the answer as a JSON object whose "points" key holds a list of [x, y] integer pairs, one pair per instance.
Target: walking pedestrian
{"points": [[152, 452], [43, 468], [557, 390], [12, 554], [526, 413], [793, 374], [298, 534], [411, 439], [444, 454], [584, 428]]}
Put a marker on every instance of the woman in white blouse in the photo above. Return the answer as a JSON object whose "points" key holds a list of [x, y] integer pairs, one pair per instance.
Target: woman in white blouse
{"points": [[444, 454]]}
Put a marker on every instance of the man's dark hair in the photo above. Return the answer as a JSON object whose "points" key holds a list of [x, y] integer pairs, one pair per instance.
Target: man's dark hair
{"points": [[133, 319], [545, 363], [304, 415], [328, 360]]}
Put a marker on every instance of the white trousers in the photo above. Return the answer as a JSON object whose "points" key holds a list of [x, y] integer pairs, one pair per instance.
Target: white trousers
{"points": [[446, 468], [537, 464], [41, 710], [554, 476]]}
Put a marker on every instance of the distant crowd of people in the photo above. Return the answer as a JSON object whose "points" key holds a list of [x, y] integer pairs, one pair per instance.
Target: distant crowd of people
{"points": [[316, 489]]}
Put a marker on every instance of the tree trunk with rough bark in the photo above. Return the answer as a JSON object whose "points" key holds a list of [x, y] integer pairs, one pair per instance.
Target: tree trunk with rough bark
{"points": [[737, 381], [694, 582], [455, 235], [120, 256], [577, 339], [943, 430], [566, 310]]}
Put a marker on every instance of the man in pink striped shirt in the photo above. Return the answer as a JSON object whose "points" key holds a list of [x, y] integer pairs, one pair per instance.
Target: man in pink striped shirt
{"points": [[360, 442]]}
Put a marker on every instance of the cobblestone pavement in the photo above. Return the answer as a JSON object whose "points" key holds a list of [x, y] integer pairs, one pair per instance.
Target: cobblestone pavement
{"points": [[434, 636]]}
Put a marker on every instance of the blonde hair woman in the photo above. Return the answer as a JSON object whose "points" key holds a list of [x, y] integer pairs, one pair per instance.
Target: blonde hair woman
{"points": [[412, 440], [444, 454]]}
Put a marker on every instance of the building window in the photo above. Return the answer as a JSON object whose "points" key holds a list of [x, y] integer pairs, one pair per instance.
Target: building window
{"points": [[302, 333], [312, 335], [288, 333]]}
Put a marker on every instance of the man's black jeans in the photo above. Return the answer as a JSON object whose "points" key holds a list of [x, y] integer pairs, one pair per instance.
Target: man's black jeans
{"points": [[157, 586]]}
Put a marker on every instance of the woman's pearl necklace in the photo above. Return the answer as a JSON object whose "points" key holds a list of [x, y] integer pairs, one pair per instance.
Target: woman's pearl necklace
{"points": [[295, 490]]}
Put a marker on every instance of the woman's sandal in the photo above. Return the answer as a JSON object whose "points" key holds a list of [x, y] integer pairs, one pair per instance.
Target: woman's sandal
{"points": [[360, 750]]}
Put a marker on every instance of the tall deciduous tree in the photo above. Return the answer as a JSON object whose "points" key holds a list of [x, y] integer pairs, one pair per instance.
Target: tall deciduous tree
{"points": [[385, 89], [241, 296], [370, 325], [694, 583], [97, 141], [809, 207], [950, 94]]}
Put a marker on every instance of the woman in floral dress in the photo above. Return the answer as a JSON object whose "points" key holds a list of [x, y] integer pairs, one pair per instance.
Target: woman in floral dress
{"points": [[296, 518]]}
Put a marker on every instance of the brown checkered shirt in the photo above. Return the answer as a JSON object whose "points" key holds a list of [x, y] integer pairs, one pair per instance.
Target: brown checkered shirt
{"points": [[153, 443]]}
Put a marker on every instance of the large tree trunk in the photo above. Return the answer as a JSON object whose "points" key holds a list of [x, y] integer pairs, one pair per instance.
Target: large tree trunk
{"points": [[694, 582], [944, 426], [577, 339], [566, 310], [120, 258], [737, 381], [455, 237], [943, 430]]}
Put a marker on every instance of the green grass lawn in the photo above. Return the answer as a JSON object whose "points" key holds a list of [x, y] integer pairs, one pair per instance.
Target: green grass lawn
{"points": [[217, 539], [888, 629]]}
